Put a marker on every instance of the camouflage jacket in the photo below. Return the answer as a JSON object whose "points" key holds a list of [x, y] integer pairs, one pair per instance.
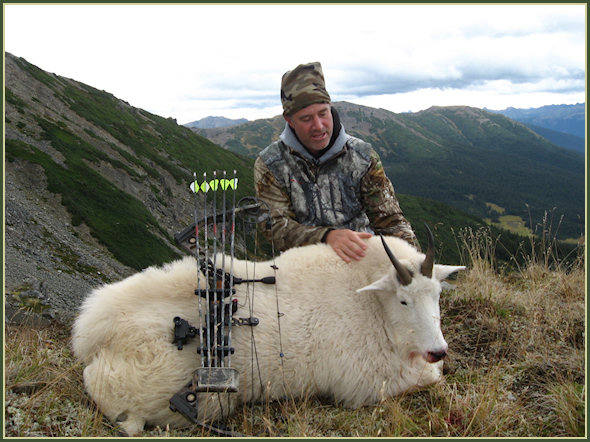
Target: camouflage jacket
{"points": [[345, 188]]}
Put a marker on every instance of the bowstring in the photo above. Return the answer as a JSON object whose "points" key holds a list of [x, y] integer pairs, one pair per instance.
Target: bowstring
{"points": [[254, 352], [250, 293], [279, 314]]}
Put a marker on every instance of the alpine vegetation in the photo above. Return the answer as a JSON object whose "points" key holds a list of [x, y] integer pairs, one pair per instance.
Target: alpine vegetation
{"points": [[357, 333]]}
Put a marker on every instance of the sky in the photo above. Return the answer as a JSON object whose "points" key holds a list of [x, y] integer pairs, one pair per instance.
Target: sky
{"points": [[190, 61]]}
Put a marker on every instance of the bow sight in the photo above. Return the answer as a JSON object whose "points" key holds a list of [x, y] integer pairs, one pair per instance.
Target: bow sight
{"points": [[214, 288]]}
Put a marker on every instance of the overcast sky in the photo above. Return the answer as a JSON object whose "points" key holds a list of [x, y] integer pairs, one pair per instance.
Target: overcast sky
{"points": [[192, 61]]}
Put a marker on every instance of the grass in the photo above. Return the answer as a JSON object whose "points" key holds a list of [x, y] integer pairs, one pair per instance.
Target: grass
{"points": [[516, 368], [513, 223]]}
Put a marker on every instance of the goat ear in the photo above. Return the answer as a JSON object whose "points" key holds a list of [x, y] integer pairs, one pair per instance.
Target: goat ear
{"points": [[443, 271], [388, 282]]}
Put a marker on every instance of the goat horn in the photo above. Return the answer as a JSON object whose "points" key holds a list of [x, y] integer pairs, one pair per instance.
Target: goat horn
{"points": [[428, 264], [403, 274]]}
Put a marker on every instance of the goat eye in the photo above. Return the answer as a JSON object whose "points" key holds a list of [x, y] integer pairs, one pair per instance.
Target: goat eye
{"points": [[403, 302]]}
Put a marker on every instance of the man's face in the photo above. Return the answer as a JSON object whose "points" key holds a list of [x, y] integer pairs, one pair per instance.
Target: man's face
{"points": [[313, 125]]}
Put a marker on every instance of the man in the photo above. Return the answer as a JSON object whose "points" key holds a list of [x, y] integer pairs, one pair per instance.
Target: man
{"points": [[321, 184]]}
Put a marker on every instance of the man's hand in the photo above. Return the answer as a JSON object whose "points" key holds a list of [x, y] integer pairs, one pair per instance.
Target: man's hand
{"points": [[348, 244]]}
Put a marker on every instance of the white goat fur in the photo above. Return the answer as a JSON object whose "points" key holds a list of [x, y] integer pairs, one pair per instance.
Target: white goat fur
{"points": [[357, 346]]}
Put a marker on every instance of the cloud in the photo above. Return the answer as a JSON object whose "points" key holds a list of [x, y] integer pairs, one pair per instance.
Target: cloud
{"points": [[192, 60]]}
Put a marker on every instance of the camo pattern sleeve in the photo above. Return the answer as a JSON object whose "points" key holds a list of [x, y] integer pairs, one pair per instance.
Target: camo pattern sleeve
{"points": [[381, 204], [285, 231]]}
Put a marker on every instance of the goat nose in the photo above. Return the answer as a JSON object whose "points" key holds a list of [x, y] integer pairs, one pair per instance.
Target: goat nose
{"points": [[435, 356]]}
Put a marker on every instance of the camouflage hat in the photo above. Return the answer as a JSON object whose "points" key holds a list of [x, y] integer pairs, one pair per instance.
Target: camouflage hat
{"points": [[303, 86]]}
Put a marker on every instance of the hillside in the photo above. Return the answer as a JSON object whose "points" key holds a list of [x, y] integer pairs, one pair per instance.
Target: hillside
{"points": [[565, 118], [563, 125], [561, 139], [246, 139], [465, 157], [96, 189]]}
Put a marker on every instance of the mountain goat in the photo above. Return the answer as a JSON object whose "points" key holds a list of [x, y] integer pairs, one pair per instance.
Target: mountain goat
{"points": [[356, 332]]}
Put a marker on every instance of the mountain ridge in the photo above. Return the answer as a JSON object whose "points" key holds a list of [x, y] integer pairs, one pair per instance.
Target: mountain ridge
{"points": [[561, 124], [505, 163], [215, 121]]}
